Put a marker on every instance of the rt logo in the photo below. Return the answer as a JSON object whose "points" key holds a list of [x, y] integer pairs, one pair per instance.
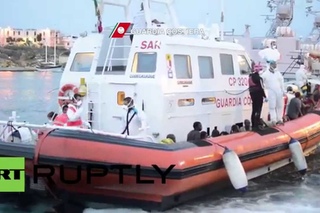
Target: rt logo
{"points": [[12, 174]]}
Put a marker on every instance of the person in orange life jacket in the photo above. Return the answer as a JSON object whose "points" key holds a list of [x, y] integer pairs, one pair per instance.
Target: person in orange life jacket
{"points": [[74, 111], [61, 119], [134, 121], [257, 95]]}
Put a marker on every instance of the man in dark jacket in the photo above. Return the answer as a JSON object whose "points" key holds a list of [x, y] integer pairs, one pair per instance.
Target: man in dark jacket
{"points": [[195, 133], [257, 94]]}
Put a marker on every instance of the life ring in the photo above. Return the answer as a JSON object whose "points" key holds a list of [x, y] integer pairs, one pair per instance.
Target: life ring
{"points": [[63, 92]]}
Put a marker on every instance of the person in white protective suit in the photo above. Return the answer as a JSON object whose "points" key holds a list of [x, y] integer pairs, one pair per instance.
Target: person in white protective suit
{"points": [[134, 120], [74, 113], [274, 83], [301, 77]]}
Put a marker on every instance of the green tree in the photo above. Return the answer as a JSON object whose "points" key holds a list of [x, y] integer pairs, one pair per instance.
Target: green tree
{"points": [[39, 37], [28, 42]]}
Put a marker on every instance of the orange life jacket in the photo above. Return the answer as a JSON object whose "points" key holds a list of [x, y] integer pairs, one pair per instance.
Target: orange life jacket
{"points": [[77, 122], [60, 120]]}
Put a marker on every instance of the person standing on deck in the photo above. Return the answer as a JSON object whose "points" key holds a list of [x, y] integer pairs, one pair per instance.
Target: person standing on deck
{"points": [[74, 111], [290, 95], [134, 121], [257, 95], [274, 84], [301, 77], [140, 22]]}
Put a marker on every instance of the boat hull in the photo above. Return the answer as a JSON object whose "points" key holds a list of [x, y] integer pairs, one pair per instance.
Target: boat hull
{"points": [[49, 69], [199, 167]]}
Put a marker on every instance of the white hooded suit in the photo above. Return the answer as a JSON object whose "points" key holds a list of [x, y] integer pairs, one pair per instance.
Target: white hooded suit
{"points": [[301, 77], [274, 83]]}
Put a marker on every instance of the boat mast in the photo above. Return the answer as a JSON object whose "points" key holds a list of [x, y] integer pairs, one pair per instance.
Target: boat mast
{"points": [[46, 51], [55, 48], [222, 20], [281, 19], [314, 35], [126, 3]]}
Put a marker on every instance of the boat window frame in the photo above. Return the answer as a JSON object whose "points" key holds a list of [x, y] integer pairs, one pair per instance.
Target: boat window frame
{"points": [[208, 100], [120, 97], [246, 61], [211, 66], [74, 60], [222, 65], [189, 66], [192, 100], [135, 62]]}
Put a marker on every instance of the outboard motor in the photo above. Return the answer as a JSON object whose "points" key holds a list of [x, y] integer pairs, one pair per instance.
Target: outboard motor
{"points": [[235, 170]]}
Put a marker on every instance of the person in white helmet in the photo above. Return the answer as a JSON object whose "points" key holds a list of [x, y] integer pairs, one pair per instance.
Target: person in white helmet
{"points": [[74, 113], [301, 77], [274, 83], [134, 120]]}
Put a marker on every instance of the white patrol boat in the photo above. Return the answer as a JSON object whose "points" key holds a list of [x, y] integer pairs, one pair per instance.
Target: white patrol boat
{"points": [[175, 81]]}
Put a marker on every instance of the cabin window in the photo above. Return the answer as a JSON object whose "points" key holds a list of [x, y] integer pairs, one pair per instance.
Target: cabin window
{"points": [[226, 63], [144, 62], [120, 97], [182, 65], [82, 62], [186, 102], [205, 66], [244, 66], [208, 100]]}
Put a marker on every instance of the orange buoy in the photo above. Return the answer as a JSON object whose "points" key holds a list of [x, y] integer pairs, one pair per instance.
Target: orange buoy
{"points": [[64, 91]]}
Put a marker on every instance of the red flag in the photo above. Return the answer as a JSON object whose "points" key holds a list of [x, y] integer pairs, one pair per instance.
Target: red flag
{"points": [[100, 29], [120, 29]]}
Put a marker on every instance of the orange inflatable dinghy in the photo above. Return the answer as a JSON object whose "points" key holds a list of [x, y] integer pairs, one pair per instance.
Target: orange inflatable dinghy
{"points": [[199, 167]]}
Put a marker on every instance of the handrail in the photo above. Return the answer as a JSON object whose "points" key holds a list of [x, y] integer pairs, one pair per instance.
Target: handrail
{"points": [[50, 127]]}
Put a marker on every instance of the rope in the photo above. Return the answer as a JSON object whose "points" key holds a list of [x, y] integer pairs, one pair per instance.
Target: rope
{"points": [[239, 93]]}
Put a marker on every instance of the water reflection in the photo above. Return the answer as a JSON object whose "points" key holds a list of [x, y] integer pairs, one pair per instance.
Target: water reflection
{"points": [[32, 94]]}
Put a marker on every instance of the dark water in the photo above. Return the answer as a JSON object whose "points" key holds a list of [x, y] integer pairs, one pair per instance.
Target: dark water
{"points": [[33, 95]]}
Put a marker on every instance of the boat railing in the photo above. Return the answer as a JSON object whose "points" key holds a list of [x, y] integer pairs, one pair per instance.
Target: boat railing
{"points": [[43, 127]]}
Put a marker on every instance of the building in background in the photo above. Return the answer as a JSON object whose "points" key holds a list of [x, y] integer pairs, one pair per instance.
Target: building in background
{"points": [[68, 41], [35, 37]]}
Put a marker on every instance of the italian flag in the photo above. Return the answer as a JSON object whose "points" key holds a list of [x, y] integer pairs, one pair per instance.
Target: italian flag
{"points": [[97, 10]]}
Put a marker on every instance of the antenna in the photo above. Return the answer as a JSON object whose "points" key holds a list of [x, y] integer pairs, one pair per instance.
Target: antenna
{"points": [[268, 18], [222, 21], [271, 4], [207, 20]]}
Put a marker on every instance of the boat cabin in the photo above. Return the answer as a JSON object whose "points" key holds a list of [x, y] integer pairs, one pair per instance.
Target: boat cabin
{"points": [[175, 80]]}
